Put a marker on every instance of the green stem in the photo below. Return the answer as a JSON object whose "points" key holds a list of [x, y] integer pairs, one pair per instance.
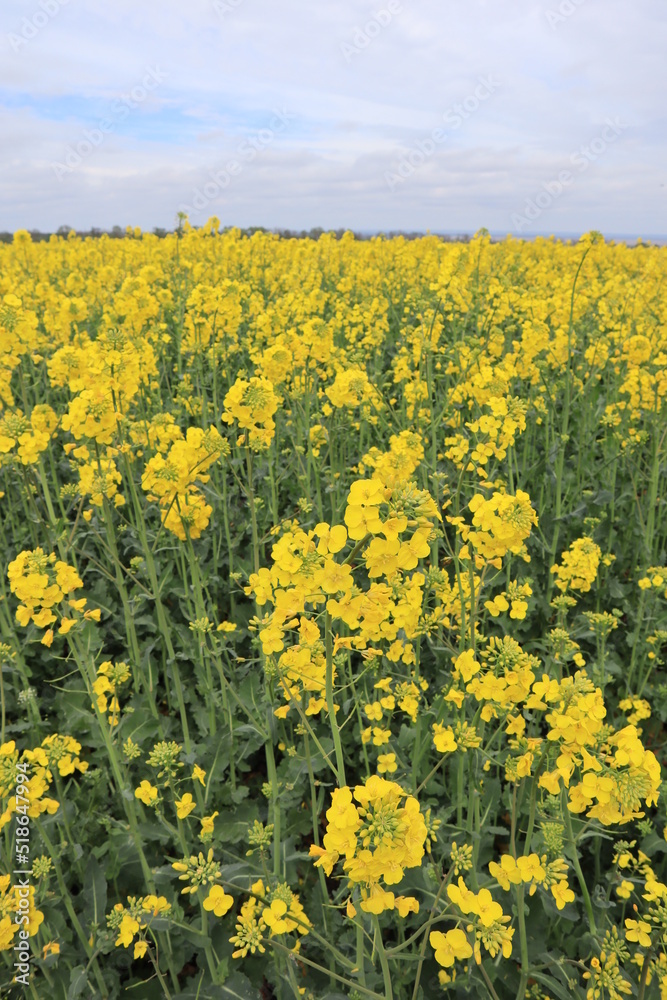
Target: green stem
{"points": [[128, 614], [424, 930], [208, 949], [80, 933], [588, 906], [384, 964], [489, 984], [163, 625], [316, 832], [275, 805], [360, 948], [161, 979], [331, 708], [272, 943], [523, 941], [643, 979]]}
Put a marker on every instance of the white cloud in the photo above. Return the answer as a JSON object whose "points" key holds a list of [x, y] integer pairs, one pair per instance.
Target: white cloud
{"points": [[355, 118]]}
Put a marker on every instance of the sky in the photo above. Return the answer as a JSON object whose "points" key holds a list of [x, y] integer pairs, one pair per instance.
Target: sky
{"points": [[523, 116]]}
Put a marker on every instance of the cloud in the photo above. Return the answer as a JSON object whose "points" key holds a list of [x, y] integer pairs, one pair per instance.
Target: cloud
{"points": [[227, 71]]}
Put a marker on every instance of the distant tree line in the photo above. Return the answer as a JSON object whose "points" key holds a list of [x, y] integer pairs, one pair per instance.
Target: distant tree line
{"points": [[118, 233]]}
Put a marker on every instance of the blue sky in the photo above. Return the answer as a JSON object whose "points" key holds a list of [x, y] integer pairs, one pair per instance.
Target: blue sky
{"points": [[526, 116]]}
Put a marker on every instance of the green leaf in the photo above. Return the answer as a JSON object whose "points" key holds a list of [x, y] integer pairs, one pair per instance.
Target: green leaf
{"points": [[94, 893], [653, 843], [238, 987], [556, 988], [77, 982]]}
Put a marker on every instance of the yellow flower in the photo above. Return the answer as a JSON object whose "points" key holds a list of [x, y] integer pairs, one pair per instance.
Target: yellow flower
{"points": [[387, 763], [7, 931], [562, 894], [207, 824], [639, 931], [185, 805], [625, 889], [198, 774], [450, 947], [405, 905], [218, 901], [147, 793], [128, 928], [376, 899], [443, 738], [466, 665]]}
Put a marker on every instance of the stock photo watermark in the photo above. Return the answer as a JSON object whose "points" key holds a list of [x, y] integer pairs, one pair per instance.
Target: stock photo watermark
{"points": [[564, 10], [454, 117], [556, 187], [33, 24], [122, 107], [224, 7], [363, 35], [23, 869], [246, 152]]}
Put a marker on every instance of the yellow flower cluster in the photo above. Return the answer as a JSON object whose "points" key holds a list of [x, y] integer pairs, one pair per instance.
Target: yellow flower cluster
{"points": [[636, 709], [110, 677], [172, 479], [352, 389], [398, 464], [514, 600], [492, 434], [105, 375], [617, 772], [31, 436], [56, 753], [252, 405], [305, 572], [276, 911], [533, 870], [134, 919], [98, 478], [379, 835], [41, 583], [489, 921], [656, 578], [500, 525], [579, 566]]}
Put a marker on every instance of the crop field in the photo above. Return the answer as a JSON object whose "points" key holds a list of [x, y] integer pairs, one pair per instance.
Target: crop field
{"points": [[333, 618]]}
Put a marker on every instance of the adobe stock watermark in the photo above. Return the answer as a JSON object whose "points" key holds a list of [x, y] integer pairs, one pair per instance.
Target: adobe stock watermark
{"points": [[454, 117], [363, 35], [225, 7], [22, 886], [246, 152], [564, 10], [553, 189], [122, 107], [32, 25]]}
